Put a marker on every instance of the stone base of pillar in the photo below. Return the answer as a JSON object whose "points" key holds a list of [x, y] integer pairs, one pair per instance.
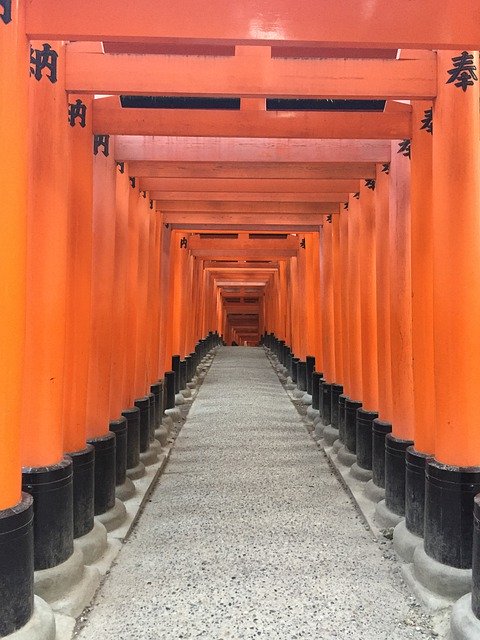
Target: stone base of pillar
{"points": [[41, 625], [114, 518], [464, 625], [136, 472], [436, 584], [125, 491], [337, 445], [179, 399], [161, 434], [307, 399], [156, 446], [330, 434], [386, 518], [290, 385], [69, 586], [363, 475], [346, 457], [186, 393], [405, 542], [374, 493], [94, 544], [149, 457], [174, 414], [312, 413], [298, 393], [318, 429]]}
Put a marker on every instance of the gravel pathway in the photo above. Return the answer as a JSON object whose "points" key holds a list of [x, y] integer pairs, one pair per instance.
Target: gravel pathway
{"points": [[249, 534]]}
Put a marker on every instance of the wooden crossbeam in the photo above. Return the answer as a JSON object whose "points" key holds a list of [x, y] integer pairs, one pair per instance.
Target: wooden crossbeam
{"points": [[233, 206], [184, 149], [109, 119], [250, 185], [343, 23], [248, 196], [215, 220]]}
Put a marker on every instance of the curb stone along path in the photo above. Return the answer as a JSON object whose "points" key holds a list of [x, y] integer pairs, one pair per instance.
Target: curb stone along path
{"points": [[249, 533]]}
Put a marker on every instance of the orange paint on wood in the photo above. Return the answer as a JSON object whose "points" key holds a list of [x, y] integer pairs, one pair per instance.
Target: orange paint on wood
{"points": [[338, 284], [354, 310], [328, 320], [14, 165], [42, 411], [344, 241]]}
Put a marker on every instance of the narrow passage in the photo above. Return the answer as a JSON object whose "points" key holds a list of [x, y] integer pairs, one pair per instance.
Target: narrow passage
{"points": [[249, 534]]}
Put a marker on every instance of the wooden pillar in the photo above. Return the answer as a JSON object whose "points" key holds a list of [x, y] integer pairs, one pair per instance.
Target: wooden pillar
{"points": [[354, 320], [326, 270], [142, 384], [338, 285]]}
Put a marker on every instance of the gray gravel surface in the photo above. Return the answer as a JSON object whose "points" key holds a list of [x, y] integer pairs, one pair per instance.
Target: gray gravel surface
{"points": [[250, 535]]}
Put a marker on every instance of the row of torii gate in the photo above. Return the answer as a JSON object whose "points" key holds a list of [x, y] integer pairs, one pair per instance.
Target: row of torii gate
{"points": [[130, 233]]}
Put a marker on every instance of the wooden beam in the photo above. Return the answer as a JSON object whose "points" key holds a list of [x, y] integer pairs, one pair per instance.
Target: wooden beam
{"points": [[262, 185], [233, 206], [248, 197], [249, 124], [271, 219], [291, 228], [299, 171], [184, 149], [249, 76], [344, 23]]}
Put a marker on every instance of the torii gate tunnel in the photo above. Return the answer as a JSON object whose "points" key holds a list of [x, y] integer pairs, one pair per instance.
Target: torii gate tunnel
{"points": [[175, 176]]}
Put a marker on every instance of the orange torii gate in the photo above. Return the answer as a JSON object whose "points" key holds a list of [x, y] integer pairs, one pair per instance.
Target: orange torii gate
{"points": [[155, 183]]}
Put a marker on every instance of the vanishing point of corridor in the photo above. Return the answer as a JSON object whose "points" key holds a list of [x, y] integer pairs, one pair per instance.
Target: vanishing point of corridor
{"points": [[249, 534]]}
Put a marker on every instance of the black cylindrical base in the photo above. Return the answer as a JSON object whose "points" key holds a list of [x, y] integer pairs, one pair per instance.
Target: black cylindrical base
{"points": [[183, 374], [415, 490], [351, 407], [310, 360], [83, 490], [156, 389], [151, 416], [449, 500], [336, 391], [326, 403], [176, 368], [395, 451], [133, 436], [52, 491], [16, 566], [105, 472], [295, 362], [316, 380], [476, 559], [302, 375], [364, 437], [380, 429], [143, 405], [342, 398], [169, 382], [119, 428]]}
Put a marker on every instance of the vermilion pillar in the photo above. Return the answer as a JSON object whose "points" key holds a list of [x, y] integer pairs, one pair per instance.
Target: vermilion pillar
{"points": [[345, 321], [47, 473], [453, 477], [16, 554], [390, 511], [368, 306], [328, 333], [338, 343]]}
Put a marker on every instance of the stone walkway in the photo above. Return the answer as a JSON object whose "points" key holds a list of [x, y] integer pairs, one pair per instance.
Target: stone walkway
{"points": [[249, 534]]}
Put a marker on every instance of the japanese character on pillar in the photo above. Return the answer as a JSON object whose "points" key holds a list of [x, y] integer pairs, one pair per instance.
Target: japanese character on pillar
{"points": [[303, 243], [427, 121], [370, 184], [357, 195], [132, 182], [329, 219], [45, 58], [77, 110], [183, 243], [404, 148], [386, 168], [151, 204], [6, 15], [345, 206], [463, 72], [121, 166], [101, 141]]}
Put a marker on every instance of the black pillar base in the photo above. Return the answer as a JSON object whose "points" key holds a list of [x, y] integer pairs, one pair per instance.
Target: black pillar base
{"points": [[316, 380], [52, 490], [156, 389], [151, 416], [342, 398], [105, 469], [310, 360], [380, 430], [336, 391], [16, 566], [476, 559], [351, 407], [133, 436], [449, 502], [326, 403], [143, 405], [302, 375], [183, 375], [176, 368], [364, 437], [295, 362], [395, 451], [83, 490], [169, 383], [119, 428], [415, 463]]}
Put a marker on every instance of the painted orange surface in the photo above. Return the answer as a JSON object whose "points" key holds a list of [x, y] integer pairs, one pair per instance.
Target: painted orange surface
{"points": [[338, 328], [422, 282], [103, 270], [350, 24], [328, 319], [456, 254], [344, 243], [13, 247], [79, 283], [46, 279], [142, 384], [354, 309], [382, 254], [401, 297], [368, 299]]}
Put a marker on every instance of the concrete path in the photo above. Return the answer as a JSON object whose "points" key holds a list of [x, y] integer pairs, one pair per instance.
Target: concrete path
{"points": [[250, 535]]}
